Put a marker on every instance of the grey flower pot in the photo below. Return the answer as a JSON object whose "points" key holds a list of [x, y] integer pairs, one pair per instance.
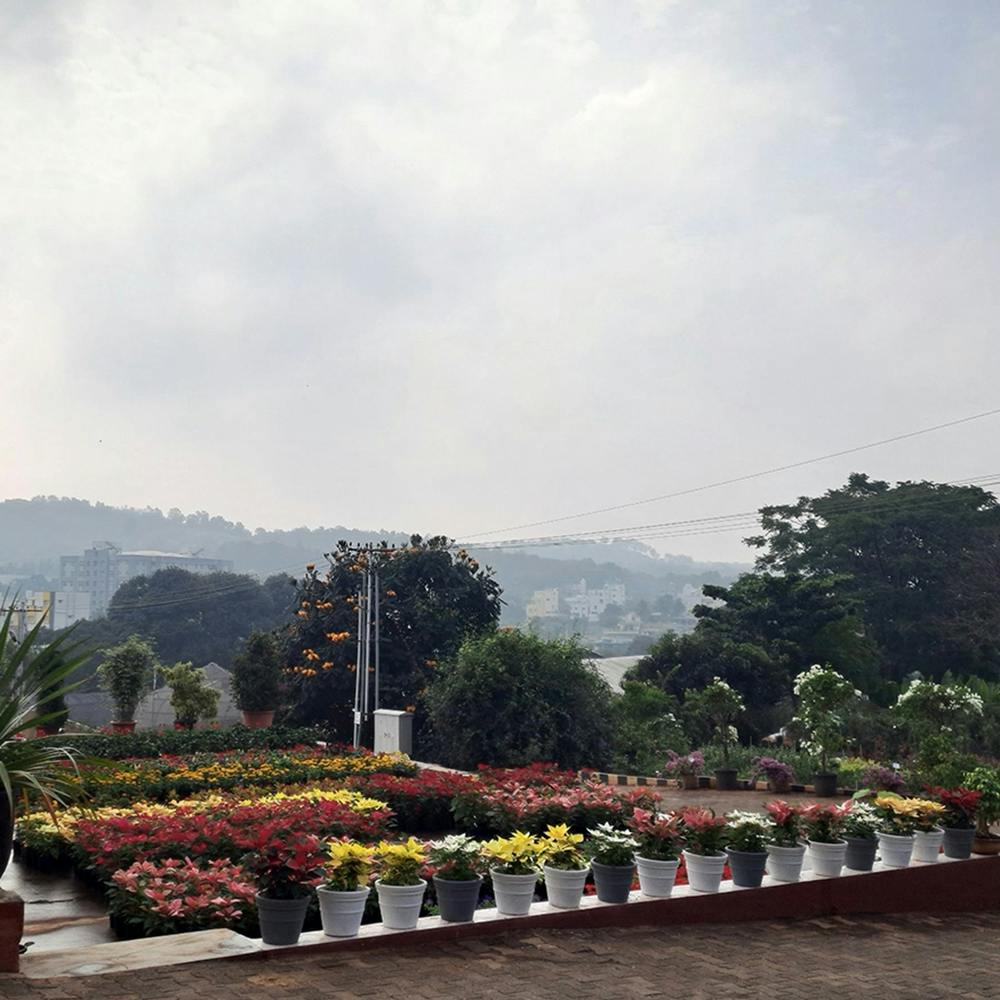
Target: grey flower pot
{"points": [[747, 867], [825, 785], [958, 841], [457, 899], [860, 853], [725, 779], [281, 920], [613, 882]]}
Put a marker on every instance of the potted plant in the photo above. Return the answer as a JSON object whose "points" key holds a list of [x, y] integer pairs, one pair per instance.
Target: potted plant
{"points": [[704, 837], [778, 775], [399, 885], [824, 826], [514, 871], [897, 821], [345, 890], [285, 866], [612, 858], [747, 833], [564, 866], [928, 836], [861, 833], [685, 768], [986, 781], [785, 853], [882, 779], [959, 820], [826, 699], [126, 673], [256, 680], [30, 682], [457, 863], [190, 697], [719, 706], [659, 841]]}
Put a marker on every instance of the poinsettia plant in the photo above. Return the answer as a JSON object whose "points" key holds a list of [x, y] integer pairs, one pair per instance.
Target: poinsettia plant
{"points": [[897, 816], [285, 865], [562, 849], [457, 858], [609, 846], [786, 821], [401, 864], [825, 823], [659, 836], [960, 806], [747, 831], [348, 866], [518, 854], [704, 832]]}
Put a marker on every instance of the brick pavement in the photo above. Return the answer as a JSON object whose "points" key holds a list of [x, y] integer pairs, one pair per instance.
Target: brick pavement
{"points": [[888, 957]]}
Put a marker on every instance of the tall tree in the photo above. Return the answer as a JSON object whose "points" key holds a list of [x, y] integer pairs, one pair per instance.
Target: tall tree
{"points": [[908, 555], [431, 600]]}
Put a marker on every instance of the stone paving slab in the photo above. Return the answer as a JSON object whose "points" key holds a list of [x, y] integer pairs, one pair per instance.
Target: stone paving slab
{"points": [[888, 957]]}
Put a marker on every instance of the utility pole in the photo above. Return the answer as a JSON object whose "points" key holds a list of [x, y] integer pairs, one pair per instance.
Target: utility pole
{"points": [[368, 659]]}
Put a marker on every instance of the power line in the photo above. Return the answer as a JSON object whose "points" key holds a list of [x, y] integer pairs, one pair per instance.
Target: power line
{"points": [[739, 521], [742, 479]]}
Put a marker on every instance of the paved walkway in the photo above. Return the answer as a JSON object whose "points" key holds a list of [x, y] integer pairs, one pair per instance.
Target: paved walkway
{"points": [[899, 957]]}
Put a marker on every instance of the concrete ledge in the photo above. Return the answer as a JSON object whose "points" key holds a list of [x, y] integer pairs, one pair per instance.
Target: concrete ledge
{"points": [[11, 929], [944, 887], [704, 781]]}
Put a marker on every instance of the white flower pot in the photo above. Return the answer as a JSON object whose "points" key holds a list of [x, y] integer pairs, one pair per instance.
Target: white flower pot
{"points": [[784, 864], [513, 893], [927, 845], [895, 850], [564, 886], [400, 904], [341, 912], [656, 878], [827, 859], [704, 871]]}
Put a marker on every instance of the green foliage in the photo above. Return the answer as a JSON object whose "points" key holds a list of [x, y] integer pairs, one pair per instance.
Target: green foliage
{"points": [[126, 673], [928, 710], [192, 616], [645, 728], [190, 697], [182, 743], [917, 560], [256, 676], [510, 699], [29, 687], [986, 781], [718, 706], [826, 701], [432, 599]]}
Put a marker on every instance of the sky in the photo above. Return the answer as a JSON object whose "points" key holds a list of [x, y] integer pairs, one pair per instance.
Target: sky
{"points": [[457, 266]]}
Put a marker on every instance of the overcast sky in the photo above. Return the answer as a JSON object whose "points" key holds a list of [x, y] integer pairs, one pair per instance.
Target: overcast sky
{"points": [[454, 266]]}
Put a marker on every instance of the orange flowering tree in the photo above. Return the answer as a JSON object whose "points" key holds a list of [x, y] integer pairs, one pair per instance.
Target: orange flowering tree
{"points": [[432, 598]]}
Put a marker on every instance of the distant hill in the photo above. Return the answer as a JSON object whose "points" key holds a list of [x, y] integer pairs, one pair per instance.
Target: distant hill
{"points": [[34, 533]]}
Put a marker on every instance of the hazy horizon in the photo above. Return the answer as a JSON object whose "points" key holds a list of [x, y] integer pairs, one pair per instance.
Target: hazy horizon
{"points": [[454, 269]]}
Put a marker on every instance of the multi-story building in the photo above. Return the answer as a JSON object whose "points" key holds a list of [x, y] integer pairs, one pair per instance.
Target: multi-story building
{"points": [[101, 570], [591, 604], [61, 608], [543, 603]]}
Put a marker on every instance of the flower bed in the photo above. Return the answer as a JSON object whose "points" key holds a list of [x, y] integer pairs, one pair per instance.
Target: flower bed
{"points": [[175, 777]]}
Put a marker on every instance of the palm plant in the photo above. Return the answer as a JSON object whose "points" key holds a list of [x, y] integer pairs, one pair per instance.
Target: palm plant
{"points": [[31, 688]]}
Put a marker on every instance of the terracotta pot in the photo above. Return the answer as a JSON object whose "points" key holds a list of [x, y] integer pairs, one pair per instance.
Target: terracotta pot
{"points": [[258, 720], [779, 785], [123, 728], [689, 781], [986, 845], [182, 727]]}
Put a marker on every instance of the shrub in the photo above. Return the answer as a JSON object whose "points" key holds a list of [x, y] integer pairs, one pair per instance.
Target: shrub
{"points": [[719, 706], [826, 700], [190, 697], [126, 673], [510, 698], [256, 677], [645, 725]]}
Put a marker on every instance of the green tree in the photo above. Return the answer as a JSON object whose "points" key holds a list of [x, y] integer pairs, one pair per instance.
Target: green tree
{"points": [[826, 701], [256, 676], [126, 673], [646, 726], [719, 707], [909, 556], [510, 699], [190, 697], [431, 600]]}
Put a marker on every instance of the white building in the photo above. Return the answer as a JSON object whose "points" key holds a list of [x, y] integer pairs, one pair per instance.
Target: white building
{"points": [[591, 604], [101, 570], [61, 607], [543, 603]]}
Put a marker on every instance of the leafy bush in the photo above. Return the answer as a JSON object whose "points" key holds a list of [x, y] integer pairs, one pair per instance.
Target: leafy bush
{"points": [[256, 677], [175, 743], [645, 728], [190, 697], [126, 673], [511, 698]]}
